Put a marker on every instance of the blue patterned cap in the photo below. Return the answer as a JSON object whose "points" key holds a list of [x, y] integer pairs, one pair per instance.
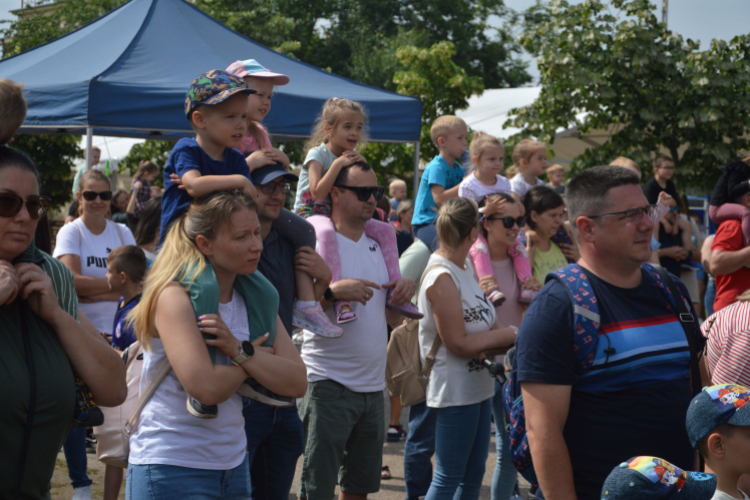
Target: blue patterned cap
{"points": [[716, 405], [213, 87], [651, 478]]}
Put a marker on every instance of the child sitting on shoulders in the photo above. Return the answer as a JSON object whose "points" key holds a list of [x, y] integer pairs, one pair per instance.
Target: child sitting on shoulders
{"points": [[718, 425], [487, 155], [441, 178], [332, 145], [556, 176], [13, 110], [530, 159], [256, 144], [723, 206]]}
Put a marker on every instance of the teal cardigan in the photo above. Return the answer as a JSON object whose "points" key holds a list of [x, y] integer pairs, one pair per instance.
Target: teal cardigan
{"points": [[261, 301]]}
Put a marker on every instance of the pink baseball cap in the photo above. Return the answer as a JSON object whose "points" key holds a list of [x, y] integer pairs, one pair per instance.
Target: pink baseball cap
{"points": [[251, 67]]}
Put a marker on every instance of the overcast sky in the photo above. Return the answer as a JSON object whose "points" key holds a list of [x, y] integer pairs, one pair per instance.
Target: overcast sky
{"points": [[696, 19]]}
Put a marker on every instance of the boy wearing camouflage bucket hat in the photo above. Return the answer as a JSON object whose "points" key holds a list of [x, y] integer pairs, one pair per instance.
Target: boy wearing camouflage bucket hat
{"points": [[216, 106], [651, 478], [718, 425]]}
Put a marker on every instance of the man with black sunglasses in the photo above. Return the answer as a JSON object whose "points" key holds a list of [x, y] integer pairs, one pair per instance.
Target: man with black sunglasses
{"points": [[275, 439], [584, 414], [343, 410]]}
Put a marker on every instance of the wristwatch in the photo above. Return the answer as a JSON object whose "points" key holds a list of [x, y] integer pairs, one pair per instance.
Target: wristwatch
{"points": [[328, 295], [246, 352]]}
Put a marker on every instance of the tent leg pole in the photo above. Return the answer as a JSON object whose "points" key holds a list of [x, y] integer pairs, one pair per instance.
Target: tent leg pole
{"points": [[89, 140], [416, 169]]}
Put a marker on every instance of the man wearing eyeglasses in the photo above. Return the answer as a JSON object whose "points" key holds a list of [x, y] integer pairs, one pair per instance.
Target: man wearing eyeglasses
{"points": [[633, 398], [343, 410], [275, 438]]}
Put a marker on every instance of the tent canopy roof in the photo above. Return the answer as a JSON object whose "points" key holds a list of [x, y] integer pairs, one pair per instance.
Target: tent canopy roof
{"points": [[126, 74]]}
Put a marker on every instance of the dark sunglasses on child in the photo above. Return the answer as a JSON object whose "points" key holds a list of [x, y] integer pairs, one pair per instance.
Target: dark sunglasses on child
{"points": [[11, 203], [363, 193], [508, 222]]}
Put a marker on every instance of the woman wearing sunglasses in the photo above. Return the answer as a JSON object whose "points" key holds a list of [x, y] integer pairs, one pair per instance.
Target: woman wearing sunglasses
{"points": [[500, 232], [83, 246], [457, 313], [41, 342], [544, 216]]}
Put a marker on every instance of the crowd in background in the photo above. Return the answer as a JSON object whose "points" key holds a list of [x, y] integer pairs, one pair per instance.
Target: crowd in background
{"points": [[604, 303]]}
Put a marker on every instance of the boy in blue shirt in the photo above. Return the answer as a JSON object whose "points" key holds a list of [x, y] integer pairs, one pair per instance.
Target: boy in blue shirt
{"points": [[126, 268], [441, 178], [216, 106]]}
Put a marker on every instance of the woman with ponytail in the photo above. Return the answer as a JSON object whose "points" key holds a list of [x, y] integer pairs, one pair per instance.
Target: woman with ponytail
{"points": [[457, 312], [203, 290]]}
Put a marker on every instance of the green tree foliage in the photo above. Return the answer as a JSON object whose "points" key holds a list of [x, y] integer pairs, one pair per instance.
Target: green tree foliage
{"points": [[443, 87], [55, 161], [54, 154], [623, 68]]}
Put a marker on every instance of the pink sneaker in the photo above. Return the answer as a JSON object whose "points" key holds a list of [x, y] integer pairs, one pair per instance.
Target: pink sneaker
{"points": [[525, 296], [315, 320], [344, 312], [497, 298], [409, 310]]}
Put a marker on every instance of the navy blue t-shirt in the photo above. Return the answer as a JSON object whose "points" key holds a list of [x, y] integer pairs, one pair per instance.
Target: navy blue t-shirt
{"points": [[277, 265], [185, 156], [666, 241], [122, 334], [631, 402]]}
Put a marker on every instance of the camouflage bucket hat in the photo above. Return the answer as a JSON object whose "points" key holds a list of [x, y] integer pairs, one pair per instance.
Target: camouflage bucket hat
{"points": [[213, 87]]}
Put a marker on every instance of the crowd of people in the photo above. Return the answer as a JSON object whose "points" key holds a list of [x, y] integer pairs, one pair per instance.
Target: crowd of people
{"points": [[588, 296]]}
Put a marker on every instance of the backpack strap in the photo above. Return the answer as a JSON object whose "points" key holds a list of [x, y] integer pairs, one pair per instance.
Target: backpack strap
{"points": [[157, 379], [586, 319], [667, 286]]}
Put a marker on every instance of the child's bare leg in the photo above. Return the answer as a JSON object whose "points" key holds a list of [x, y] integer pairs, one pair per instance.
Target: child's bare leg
{"points": [[395, 410], [112, 482], [305, 286]]}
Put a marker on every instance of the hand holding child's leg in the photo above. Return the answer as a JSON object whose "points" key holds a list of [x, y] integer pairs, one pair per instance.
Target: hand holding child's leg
{"points": [[480, 257], [328, 248], [307, 311]]}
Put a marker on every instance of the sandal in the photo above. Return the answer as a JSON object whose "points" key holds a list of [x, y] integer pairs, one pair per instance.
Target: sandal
{"points": [[385, 473]]}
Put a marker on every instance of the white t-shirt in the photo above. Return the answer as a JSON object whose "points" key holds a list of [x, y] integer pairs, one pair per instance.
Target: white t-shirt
{"points": [[470, 187], [519, 186], [355, 360], [720, 495], [76, 239], [167, 434], [455, 381]]}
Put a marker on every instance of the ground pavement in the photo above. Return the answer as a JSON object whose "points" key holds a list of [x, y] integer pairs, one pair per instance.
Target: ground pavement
{"points": [[392, 489]]}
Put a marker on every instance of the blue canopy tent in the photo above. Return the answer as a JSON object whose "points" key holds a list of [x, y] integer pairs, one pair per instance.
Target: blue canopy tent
{"points": [[126, 75]]}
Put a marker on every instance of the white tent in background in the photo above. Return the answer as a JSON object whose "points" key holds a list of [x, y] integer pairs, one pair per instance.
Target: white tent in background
{"points": [[489, 112]]}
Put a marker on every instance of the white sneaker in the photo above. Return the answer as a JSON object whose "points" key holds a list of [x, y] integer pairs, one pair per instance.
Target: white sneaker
{"points": [[82, 493]]}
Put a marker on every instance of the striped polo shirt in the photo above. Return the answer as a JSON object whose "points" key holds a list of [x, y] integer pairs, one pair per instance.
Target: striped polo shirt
{"points": [[728, 334]]}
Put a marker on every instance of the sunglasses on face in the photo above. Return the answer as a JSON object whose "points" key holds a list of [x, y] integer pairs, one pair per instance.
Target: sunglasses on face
{"points": [[91, 195], [674, 209], [364, 193], [509, 222], [11, 203], [271, 187]]}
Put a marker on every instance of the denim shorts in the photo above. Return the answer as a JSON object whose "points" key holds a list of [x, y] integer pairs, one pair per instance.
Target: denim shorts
{"points": [[170, 482]]}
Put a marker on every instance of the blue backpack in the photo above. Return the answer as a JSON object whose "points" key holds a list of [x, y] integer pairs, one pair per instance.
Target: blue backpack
{"points": [[586, 323]]}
